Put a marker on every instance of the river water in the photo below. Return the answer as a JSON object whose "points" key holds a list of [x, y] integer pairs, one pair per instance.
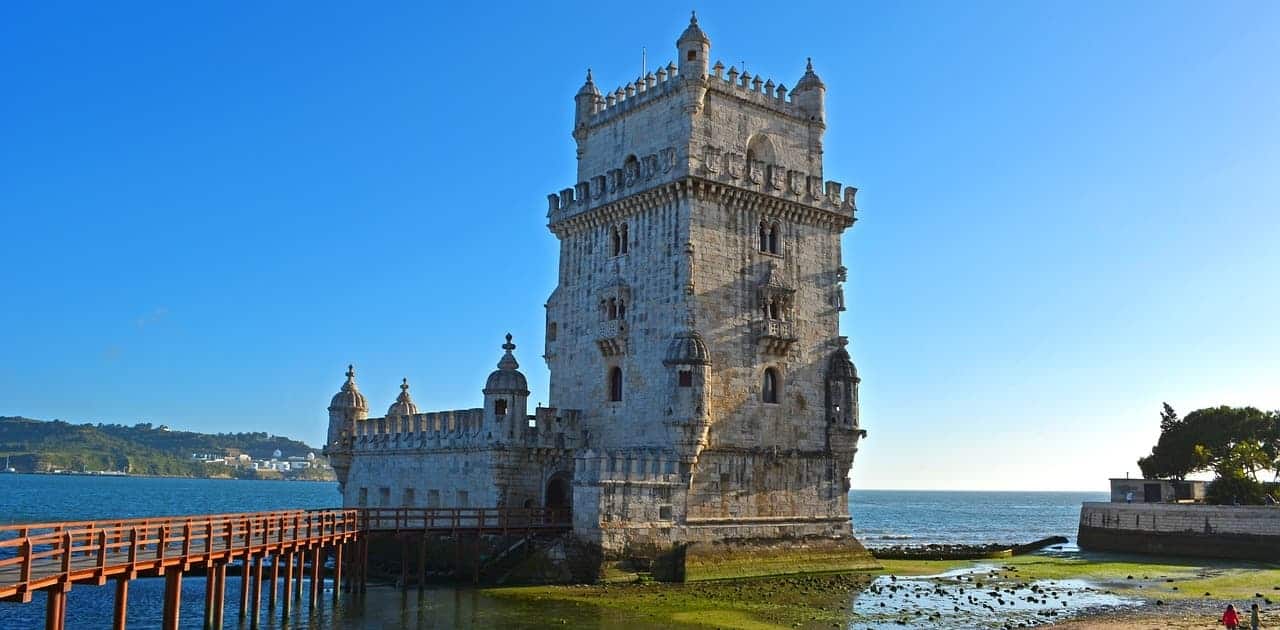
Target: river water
{"points": [[881, 518]]}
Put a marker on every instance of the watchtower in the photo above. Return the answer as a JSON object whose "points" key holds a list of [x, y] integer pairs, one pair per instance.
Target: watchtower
{"points": [[695, 324]]}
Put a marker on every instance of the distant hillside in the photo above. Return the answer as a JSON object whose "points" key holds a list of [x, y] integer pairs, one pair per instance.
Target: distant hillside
{"points": [[142, 449]]}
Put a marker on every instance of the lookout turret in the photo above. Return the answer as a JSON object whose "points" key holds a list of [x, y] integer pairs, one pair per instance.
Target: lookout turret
{"points": [[347, 407], [506, 394]]}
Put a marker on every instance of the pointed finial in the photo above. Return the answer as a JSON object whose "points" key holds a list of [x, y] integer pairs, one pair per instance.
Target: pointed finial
{"points": [[693, 18], [404, 385], [508, 346], [807, 66], [588, 75], [351, 371]]}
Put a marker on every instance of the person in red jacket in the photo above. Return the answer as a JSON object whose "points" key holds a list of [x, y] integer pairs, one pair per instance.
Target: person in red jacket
{"points": [[1230, 619]]}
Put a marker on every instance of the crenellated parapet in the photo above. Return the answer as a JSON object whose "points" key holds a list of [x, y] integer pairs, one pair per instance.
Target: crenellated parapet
{"points": [[651, 87], [461, 428], [711, 163]]}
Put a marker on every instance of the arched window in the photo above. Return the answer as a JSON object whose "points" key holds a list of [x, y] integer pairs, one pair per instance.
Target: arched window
{"points": [[764, 237], [622, 309], [615, 384], [613, 308], [617, 242], [774, 310], [770, 393], [774, 244], [623, 237], [500, 407]]}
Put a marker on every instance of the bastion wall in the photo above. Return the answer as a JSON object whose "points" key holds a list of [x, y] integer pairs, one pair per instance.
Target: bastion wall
{"points": [[1215, 531]]}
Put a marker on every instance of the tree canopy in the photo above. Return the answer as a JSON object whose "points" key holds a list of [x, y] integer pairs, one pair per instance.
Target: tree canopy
{"points": [[1231, 442]]}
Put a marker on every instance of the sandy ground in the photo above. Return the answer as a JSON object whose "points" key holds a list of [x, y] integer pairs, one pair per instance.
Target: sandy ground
{"points": [[1147, 619]]}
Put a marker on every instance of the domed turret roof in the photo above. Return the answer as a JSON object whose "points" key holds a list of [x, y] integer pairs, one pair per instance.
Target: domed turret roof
{"points": [[349, 397], [841, 367], [687, 348], [507, 379], [589, 87], [809, 80], [403, 406], [693, 32]]}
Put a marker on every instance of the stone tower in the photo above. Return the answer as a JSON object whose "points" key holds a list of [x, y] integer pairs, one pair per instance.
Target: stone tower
{"points": [[695, 324]]}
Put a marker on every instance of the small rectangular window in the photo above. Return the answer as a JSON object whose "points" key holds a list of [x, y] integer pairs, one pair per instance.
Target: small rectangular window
{"points": [[686, 378], [464, 500], [408, 497], [363, 501], [384, 497], [433, 498]]}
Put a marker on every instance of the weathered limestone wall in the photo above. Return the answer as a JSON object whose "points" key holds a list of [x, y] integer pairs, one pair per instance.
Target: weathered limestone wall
{"points": [[1251, 532], [437, 478]]}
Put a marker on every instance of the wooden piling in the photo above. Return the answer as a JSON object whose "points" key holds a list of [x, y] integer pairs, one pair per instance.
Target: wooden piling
{"points": [[120, 611], [55, 610], [172, 598], [317, 563], [288, 584], [244, 586], [219, 594], [275, 579], [302, 568], [422, 563], [256, 597], [404, 563], [337, 570]]}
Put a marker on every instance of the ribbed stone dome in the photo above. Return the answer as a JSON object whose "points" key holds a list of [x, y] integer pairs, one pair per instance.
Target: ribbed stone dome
{"points": [[841, 366], [507, 379], [809, 80], [693, 32], [349, 397], [687, 348], [403, 406]]}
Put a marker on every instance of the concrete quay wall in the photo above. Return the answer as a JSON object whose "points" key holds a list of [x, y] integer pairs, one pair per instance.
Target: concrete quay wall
{"points": [[1215, 531]]}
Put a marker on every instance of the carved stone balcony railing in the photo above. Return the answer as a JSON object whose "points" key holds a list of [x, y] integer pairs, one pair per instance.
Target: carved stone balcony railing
{"points": [[611, 337], [776, 336]]}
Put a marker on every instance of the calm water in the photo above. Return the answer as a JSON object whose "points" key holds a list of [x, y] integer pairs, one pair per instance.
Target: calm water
{"points": [[880, 517]]}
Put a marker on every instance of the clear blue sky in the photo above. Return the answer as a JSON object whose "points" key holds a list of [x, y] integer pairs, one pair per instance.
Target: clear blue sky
{"points": [[1070, 210]]}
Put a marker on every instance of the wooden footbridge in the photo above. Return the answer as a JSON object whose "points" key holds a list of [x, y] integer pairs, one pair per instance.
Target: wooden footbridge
{"points": [[271, 550]]}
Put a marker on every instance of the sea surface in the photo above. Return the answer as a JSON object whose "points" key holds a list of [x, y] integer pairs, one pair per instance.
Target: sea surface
{"points": [[881, 518]]}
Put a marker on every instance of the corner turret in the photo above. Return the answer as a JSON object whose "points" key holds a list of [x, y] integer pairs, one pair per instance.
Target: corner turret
{"points": [[506, 395], [694, 47], [810, 95], [585, 102], [346, 408]]}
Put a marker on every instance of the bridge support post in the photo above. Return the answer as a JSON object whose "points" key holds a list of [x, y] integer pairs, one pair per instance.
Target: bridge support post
{"points": [[317, 578], [120, 610], [275, 579], [404, 564], [244, 586], [422, 562], [302, 568], [172, 598], [337, 570], [210, 585], [55, 611], [364, 565], [256, 603], [287, 595], [219, 593]]}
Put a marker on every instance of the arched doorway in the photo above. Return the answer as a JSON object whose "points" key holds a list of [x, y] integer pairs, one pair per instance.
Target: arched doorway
{"points": [[559, 496]]}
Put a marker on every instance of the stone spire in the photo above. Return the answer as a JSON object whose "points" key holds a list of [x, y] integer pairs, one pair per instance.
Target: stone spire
{"points": [[507, 378], [404, 405], [349, 397], [693, 33]]}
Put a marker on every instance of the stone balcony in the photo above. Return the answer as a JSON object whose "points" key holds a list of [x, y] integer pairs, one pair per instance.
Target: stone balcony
{"points": [[776, 336], [611, 337]]}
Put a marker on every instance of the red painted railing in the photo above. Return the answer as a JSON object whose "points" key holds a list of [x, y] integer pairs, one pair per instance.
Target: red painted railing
{"points": [[37, 556]]}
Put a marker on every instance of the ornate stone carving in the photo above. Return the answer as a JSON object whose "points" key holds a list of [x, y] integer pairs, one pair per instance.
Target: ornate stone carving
{"points": [[777, 177], [667, 157], [734, 161], [755, 171], [795, 182], [711, 159]]}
